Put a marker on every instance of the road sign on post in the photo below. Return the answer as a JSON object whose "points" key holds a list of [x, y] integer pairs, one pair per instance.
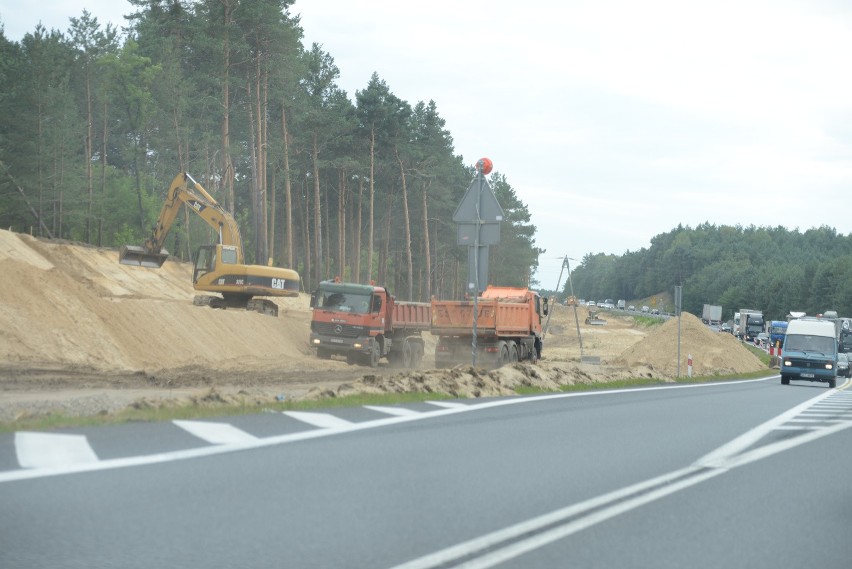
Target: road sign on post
{"points": [[478, 218]]}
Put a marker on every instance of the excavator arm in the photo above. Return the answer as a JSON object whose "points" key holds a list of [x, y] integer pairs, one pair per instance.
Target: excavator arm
{"points": [[200, 202]]}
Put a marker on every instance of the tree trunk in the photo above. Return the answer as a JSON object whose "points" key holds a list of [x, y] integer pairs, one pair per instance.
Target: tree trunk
{"points": [[341, 224], [262, 251], [307, 234], [427, 254], [272, 204], [357, 246], [90, 183], [383, 258], [288, 196], [407, 225], [317, 208], [372, 203], [103, 175], [227, 163], [254, 192]]}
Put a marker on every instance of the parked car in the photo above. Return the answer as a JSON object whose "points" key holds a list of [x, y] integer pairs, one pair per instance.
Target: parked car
{"points": [[843, 365], [645, 309], [631, 308], [654, 311]]}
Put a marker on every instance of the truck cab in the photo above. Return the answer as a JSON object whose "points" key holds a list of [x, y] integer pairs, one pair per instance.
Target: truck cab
{"points": [[365, 323], [346, 320]]}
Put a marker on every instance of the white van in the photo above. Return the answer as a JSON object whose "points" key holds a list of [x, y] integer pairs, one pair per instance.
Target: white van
{"points": [[810, 352]]}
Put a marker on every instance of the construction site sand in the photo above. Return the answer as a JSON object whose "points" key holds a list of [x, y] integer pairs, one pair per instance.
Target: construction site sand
{"points": [[82, 334]]}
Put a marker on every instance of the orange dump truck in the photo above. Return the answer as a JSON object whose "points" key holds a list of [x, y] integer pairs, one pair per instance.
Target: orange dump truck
{"points": [[508, 327], [365, 323]]}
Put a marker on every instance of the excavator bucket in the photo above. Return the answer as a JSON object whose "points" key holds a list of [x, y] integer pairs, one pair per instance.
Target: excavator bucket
{"points": [[139, 257]]}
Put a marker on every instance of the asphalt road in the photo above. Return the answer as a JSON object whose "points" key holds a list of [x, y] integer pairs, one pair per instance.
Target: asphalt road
{"points": [[750, 474]]}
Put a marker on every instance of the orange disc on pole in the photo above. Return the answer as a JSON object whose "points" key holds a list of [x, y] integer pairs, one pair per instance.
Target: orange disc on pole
{"points": [[484, 165]]}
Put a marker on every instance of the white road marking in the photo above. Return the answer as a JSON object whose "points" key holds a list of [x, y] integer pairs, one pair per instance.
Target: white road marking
{"points": [[47, 450], [321, 420], [447, 404], [215, 433], [588, 507], [395, 411]]}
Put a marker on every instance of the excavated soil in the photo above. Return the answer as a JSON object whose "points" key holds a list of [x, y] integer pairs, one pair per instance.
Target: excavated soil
{"points": [[81, 334]]}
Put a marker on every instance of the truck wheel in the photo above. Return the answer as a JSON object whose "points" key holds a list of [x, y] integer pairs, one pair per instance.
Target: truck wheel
{"points": [[832, 383], [417, 355], [533, 356], [503, 358], [372, 358], [513, 352], [785, 380], [407, 357]]}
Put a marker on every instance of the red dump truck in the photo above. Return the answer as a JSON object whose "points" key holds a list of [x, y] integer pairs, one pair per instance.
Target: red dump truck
{"points": [[365, 323], [508, 327]]}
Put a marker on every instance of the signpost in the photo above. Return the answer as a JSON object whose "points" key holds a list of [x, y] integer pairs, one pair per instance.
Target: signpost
{"points": [[478, 218]]}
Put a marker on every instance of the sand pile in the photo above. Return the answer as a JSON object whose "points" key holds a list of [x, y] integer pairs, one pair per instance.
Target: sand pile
{"points": [[76, 306], [713, 353]]}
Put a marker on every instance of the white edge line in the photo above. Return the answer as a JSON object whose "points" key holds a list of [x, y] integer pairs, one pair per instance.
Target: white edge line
{"points": [[534, 542], [15, 475], [474, 545]]}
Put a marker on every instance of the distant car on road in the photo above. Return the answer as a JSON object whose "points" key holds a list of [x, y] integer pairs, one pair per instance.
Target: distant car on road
{"points": [[762, 339], [726, 328], [843, 365], [631, 308], [645, 309]]}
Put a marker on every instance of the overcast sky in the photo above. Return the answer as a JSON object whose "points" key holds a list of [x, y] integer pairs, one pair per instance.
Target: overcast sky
{"points": [[614, 120]]}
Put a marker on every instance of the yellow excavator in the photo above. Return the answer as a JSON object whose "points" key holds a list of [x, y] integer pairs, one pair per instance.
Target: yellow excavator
{"points": [[219, 268]]}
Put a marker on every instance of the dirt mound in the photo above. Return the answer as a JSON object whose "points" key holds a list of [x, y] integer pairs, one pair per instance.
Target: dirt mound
{"points": [[467, 381], [76, 306], [713, 353]]}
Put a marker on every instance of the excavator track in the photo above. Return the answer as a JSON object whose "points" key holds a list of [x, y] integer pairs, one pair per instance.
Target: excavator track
{"points": [[261, 305]]}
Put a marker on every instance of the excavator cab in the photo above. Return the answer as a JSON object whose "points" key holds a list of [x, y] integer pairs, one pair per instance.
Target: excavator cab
{"points": [[205, 261], [209, 257]]}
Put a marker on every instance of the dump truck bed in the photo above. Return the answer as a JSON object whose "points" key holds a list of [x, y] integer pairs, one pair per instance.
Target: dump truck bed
{"points": [[495, 317], [412, 316]]}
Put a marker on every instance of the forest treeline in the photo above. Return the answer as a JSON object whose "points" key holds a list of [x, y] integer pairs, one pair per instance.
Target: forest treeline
{"points": [[96, 121], [775, 269]]}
